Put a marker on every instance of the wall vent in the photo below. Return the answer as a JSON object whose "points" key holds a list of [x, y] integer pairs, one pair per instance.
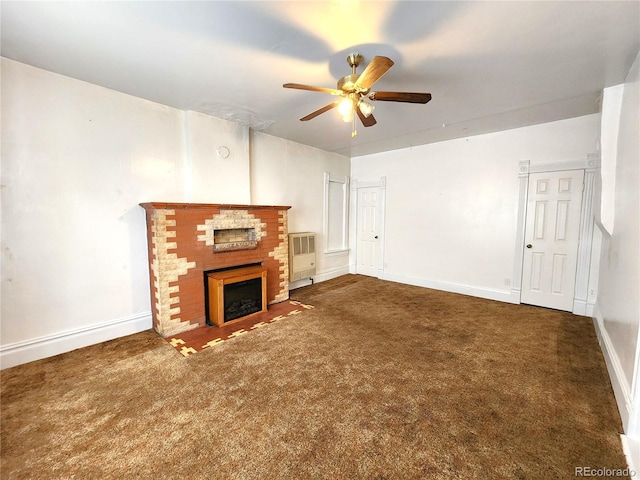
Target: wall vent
{"points": [[302, 255]]}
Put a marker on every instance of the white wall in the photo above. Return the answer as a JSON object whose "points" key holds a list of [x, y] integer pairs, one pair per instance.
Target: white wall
{"points": [[451, 207], [77, 159], [288, 173], [213, 175], [617, 313], [611, 109]]}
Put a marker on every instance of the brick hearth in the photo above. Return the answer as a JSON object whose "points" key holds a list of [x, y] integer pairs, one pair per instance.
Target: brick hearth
{"points": [[180, 239]]}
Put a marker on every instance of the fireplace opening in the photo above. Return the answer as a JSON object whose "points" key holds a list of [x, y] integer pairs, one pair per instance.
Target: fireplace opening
{"points": [[242, 298], [235, 293]]}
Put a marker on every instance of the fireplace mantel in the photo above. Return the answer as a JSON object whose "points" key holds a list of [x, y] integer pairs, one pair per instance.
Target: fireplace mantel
{"points": [[208, 206], [181, 247]]}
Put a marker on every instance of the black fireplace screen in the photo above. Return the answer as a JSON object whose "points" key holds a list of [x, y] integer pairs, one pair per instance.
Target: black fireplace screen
{"points": [[242, 298]]}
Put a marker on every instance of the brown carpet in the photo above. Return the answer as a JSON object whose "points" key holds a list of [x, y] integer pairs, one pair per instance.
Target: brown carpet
{"points": [[379, 381]]}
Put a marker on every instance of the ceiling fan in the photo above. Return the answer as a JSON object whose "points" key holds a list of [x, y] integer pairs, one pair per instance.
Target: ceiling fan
{"points": [[356, 90]]}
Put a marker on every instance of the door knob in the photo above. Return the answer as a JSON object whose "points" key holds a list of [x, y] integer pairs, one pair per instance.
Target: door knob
{"points": [[529, 245], [376, 237]]}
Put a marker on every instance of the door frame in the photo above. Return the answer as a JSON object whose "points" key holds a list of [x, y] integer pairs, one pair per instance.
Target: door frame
{"points": [[591, 166], [381, 185]]}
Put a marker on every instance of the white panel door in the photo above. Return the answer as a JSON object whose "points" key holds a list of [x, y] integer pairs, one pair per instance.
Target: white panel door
{"points": [[551, 239], [367, 232]]}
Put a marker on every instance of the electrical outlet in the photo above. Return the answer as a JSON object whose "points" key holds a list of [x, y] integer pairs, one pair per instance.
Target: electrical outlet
{"points": [[507, 282]]}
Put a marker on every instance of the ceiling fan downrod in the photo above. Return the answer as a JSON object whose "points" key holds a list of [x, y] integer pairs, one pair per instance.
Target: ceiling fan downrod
{"points": [[348, 82]]}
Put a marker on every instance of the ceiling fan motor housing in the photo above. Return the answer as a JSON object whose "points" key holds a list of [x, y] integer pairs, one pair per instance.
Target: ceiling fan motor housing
{"points": [[348, 83]]}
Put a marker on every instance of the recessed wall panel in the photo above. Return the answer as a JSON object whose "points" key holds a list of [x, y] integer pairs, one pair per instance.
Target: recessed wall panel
{"points": [[542, 186], [537, 262], [540, 222], [557, 278], [562, 219], [564, 185]]}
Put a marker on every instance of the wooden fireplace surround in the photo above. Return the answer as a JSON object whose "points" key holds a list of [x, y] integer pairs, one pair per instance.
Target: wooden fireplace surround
{"points": [[216, 282], [180, 238]]}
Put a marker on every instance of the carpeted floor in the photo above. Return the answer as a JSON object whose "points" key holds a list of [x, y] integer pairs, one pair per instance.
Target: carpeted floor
{"points": [[378, 381]]}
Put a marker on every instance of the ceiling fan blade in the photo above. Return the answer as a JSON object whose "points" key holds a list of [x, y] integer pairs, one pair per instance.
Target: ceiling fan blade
{"points": [[366, 121], [407, 97], [376, 69], [298, 86], [315, 113]]}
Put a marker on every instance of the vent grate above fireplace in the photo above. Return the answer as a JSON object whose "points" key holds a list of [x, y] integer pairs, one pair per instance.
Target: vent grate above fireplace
{"points": [[234, 239]]}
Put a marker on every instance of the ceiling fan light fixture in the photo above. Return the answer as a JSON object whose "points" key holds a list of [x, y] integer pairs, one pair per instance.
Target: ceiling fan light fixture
{"points": [[345, 108], [366, 108]]}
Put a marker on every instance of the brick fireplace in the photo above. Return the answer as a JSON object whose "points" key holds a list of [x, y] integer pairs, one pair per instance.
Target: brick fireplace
{"points": [[186, 240]]}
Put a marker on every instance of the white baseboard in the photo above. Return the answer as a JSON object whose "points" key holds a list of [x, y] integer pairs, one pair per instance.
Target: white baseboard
{"points": [[320, 277], [42, 347], [621, 388], [490, 294], [300, 283], [631, 449], [324, 276], [582, 307]]}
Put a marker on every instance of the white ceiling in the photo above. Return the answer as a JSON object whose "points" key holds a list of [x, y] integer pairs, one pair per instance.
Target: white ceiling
{"points": [[489, 65]]}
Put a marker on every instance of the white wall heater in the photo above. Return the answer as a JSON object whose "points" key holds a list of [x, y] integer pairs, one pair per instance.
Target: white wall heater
{"points": [[302, 255]]}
